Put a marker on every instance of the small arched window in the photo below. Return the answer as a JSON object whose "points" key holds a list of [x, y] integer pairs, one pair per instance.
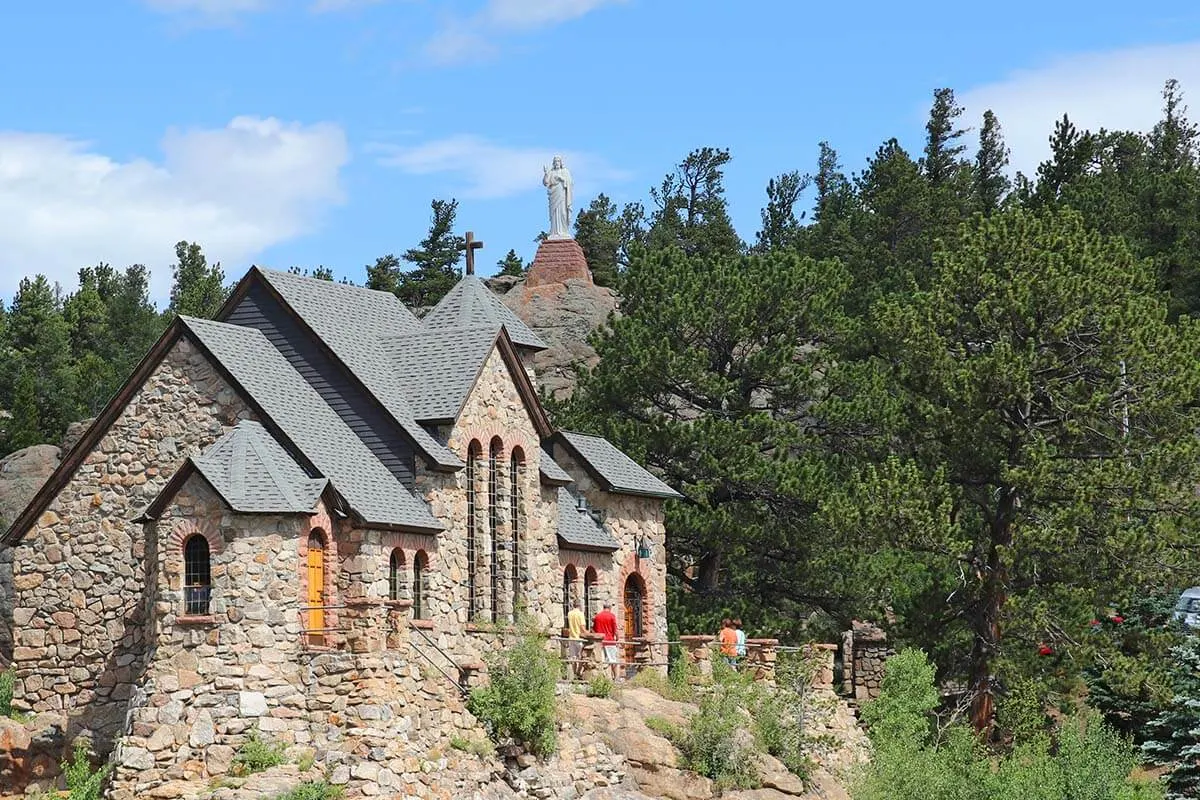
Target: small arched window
{"points": [[396, 575], [474, 452], [420, 588], [568, 591], [197, 576], [494, 519], [589, 592]]}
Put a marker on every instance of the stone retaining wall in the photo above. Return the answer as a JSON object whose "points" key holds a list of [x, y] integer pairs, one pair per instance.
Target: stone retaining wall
{"points": [[6, 605]]}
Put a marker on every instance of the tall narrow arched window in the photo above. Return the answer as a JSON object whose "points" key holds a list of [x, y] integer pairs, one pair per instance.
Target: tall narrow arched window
{"points": [[589, 592], [516, 465], [420, 589], [316, 588], [568, 591], [396, 575], [197, 576], [474, 451], [494, 523]]}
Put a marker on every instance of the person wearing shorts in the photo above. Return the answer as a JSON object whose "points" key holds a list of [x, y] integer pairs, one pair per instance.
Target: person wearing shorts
{"points": [[605, 624]]}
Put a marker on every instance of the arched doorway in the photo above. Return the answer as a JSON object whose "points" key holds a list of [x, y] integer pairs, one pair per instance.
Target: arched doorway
{"points": [[316, 589], [635, 600]]}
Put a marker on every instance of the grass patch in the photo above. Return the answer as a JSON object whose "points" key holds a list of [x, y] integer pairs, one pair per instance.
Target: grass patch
{"points": [[664, 727], [312, 790], [7, 679], [255, 755], [600, 686], [84, 782], [675, 685], [472, 746]]}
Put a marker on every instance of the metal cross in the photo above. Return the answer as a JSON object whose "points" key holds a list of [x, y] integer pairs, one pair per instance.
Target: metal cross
{"points": [[471, 246]]}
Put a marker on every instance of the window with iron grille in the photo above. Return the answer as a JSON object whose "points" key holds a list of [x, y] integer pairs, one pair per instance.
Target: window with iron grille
{"points": [[515, 465], [396, 575], [589, 592], [568, 591], [420, 562], [473, 453], [494, 524], [197, 576]]}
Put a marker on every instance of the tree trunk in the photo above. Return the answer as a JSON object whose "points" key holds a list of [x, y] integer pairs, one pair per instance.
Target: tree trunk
{"points": [[986, 622], [708, 575]]}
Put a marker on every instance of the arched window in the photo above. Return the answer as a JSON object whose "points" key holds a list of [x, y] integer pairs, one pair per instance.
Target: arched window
{"points": [[197, 576], [474, 451], [396, 575], [568, 591], [516, 465], [316, 588], [494, 523], [419, 588], [589, 592]]}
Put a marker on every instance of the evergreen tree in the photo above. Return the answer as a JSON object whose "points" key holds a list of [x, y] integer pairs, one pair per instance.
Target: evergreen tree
{"points": [[198, 290], [598, 229], [39, 347], [24, 427], [1173, 738], [511, 264], [321, 273], [384, 274], [991, 184], [1070, 152], [895, 245], [942, 163], [436, 260], [781, 229], [691, 211], [1036, 439]]}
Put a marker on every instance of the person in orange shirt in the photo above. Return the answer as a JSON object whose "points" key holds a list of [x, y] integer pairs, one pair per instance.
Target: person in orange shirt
{"points": [[729, 640]]}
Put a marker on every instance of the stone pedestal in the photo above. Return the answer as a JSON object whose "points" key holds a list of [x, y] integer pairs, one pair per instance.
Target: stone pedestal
{"points": [[698, 654], [558, 261], [366, 624], [760, 658]]}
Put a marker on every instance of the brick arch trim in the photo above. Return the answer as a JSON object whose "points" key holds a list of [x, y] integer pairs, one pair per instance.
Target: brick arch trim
{"points": [[484, 434], [631, 566], [187, 528]]}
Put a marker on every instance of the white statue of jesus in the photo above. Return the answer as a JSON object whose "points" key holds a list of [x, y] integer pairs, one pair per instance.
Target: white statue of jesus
{"points": [[560, 188]]}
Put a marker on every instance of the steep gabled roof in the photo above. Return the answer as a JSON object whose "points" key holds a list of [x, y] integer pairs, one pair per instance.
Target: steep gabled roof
{"points": [[251, 472], [351, 321], [311, 426], [616, 472], [578, 530], [438, 367], [551, 473], [472, 304]]}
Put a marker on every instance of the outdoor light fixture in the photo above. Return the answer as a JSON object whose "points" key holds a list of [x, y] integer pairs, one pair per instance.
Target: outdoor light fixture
{"points": [[644, 550]]}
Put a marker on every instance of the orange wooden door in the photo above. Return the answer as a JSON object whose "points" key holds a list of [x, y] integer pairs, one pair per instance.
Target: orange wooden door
{"points": [[633, 613], [316, 588]]}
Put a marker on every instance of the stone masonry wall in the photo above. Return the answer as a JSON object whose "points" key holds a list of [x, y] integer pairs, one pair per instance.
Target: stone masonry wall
{"points": [[493, 409], [80, 606], [6, 604]]}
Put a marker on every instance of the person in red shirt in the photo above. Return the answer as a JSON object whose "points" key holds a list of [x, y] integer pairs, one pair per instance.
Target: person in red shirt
{"points": [[605, 624]]}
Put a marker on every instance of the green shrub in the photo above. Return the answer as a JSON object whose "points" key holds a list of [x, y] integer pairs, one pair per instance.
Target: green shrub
{"points": [[518, 703], [777, 717], [255, 755], [312, 790], [711, 747], [664, 727], [83, 782], [600, 686], [7, 678]]}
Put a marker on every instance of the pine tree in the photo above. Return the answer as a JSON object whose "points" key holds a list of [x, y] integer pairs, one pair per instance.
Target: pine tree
{"points": [[435, 259], [511, 264], [991, 184], [1173, 738], [198, 290], [598, 230], [691, 210], [384, 274], [321, 273], [781, 228], [894, 235], [1070, 152], [24, 427], [942, 163], [39, 347]]}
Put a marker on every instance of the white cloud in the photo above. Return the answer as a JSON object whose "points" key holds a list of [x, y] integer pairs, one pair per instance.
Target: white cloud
{"points": [[473, 38], [488, 170], [226, 12], [1117, 90], [236, 190]]}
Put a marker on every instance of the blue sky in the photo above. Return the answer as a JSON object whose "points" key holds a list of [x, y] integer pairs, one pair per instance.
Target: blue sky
{"points": [[305, 132]]}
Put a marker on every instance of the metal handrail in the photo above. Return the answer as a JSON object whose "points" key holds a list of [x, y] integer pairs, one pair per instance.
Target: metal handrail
{"points": [[434, 664]]}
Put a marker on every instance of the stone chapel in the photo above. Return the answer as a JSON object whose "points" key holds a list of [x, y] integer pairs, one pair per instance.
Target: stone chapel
{"points": [[316, 471]]}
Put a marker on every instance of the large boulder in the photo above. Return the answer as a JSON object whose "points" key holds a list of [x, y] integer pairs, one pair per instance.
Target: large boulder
{"points": [[21, 474]]}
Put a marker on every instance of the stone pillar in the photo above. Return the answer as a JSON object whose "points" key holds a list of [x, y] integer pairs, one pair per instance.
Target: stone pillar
{"points": [[760, 657], [848, 662], [593, 655], [698, 655], [870, 653], [820, 657], [366, 625], [398, 612]]}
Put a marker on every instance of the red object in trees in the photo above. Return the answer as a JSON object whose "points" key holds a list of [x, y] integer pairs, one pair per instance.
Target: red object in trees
{"points": [[1118, 619], [1045, 650]]}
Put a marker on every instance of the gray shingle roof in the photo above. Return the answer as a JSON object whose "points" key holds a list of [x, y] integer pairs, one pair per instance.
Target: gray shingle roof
{"points": [[254, 474], [312, 426], [620, 473], [352, 321], [438, 367], [551, 472], [471, 304], [577, 529]]}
